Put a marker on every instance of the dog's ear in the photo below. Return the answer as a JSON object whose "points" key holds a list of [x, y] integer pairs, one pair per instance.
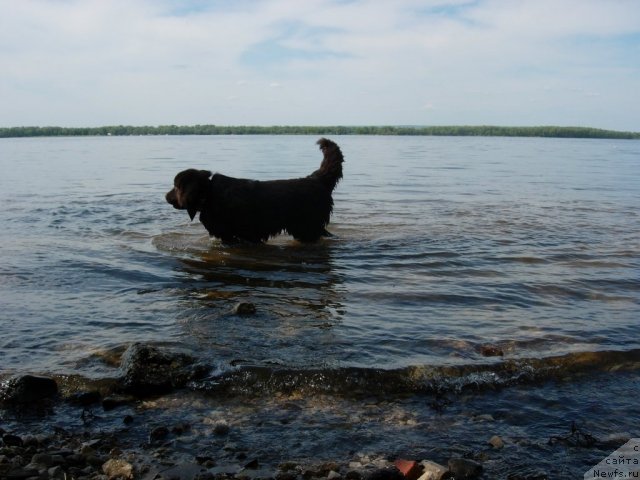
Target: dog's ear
{"points": [[192, 186]]}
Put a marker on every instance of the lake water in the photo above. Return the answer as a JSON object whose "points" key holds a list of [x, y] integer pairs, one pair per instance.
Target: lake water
{"points": [[443, 246]]}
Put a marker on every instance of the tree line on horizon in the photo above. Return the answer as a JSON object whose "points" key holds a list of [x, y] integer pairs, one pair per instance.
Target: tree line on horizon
{"points": [[486, 131]]}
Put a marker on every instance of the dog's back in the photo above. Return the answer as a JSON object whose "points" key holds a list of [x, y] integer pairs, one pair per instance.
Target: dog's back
{"points": [[255, 210]]}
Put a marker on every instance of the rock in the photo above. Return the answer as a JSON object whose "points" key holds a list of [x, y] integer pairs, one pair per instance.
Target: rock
{"points": [[149, 371], [85, 399], [75, 459], [484, 417], [432, 470], [391, 473], [56, 472], [36, 468], [463, 468], [95, 460], [89, 448], [43, 459], [496, 442], [244, 308], [115, 452], [287, 466], [318, 470], [252, 465], [409, 468], [115, 401], [221, 429], [158, 434], [333, 475], [116, 468], [27, 389], [30, 441], [183, 471], [286, 475], [181, 428], [12, 440], [353, 475], [323, 469], [204, 459], [20, 473], [491, 351], [75, 472]]}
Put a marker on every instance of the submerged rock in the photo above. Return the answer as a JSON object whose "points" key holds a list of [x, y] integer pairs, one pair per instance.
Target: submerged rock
{"points": [[496, 442], [158, 434], [26, 389], [491, 351], [221, 428], [149, 371], [244, 308]]}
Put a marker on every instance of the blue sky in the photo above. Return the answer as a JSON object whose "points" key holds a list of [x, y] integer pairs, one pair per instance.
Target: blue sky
{"points": [[320, 62]]}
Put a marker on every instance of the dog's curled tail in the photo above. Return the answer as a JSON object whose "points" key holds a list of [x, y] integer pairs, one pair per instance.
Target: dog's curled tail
{"points": [[330, 171]]}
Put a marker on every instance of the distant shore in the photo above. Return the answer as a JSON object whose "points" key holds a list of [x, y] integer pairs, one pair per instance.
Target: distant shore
{"points": [[479, 131]]}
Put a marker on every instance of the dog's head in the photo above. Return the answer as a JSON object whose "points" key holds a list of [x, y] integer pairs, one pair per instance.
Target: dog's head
{"points": [[189, 190]]}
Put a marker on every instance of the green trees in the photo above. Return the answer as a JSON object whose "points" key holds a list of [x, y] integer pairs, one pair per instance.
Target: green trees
{"points": [[487, 131]]}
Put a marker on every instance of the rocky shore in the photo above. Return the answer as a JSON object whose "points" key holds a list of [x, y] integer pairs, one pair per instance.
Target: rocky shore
{"points": [[141, 452], [119, 434], [63, 455]]}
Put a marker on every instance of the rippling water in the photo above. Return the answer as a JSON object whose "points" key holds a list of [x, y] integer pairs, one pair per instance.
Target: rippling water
{"points": [[442, 246]]}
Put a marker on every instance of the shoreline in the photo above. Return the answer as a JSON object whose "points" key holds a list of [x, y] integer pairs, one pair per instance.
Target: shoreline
{"points": [[148, 439], [110, 455], [546, 131], [188, 434]]}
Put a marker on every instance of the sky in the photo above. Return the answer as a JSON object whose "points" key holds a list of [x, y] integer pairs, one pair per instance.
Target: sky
{"points": [[76, 63]]}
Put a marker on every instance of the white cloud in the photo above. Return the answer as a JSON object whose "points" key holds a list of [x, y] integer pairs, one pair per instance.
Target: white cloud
{"points": [[92, 62]]}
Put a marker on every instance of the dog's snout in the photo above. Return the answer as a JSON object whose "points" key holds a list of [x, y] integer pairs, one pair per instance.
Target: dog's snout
{"points": [[171, 197]]}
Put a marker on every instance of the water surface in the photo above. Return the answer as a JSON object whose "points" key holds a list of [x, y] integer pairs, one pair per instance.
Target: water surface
{"points": [[443, 246]]}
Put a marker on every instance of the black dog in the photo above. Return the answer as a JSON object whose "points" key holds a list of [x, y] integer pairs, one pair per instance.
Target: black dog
{"points": [[234, 209]]}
